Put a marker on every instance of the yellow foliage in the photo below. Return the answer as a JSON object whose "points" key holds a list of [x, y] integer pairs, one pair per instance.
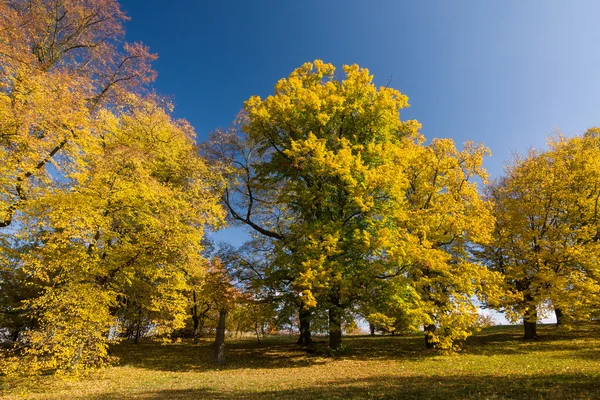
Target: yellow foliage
{"points": [[365, 197], [441, 216], [546, 236], [127, 234]]}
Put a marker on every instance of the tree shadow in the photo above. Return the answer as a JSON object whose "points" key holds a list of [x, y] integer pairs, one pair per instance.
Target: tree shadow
{"points": [[557, 386], [282, 352], [509, 340], [182, 357], [274, 352], [405, 347]]}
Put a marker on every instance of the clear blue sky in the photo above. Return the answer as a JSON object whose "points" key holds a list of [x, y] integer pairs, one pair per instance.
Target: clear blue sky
{"points": [[505, 73]]}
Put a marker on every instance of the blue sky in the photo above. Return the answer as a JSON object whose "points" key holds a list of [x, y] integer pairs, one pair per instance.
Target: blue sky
{"points": [[505, 73]]}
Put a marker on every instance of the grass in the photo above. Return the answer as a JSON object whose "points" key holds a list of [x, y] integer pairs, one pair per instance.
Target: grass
{"points": [[495, 364]]}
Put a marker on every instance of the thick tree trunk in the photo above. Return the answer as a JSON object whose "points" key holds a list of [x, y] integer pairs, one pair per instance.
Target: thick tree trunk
{"points": [[372, 329], [335, 326], [304, 322], [559, 316], [429, 329], [530, 324], [220, 338], [530, 330]]}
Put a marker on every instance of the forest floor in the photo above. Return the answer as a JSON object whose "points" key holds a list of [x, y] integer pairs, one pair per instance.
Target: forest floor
{"points": [[494, 364]]}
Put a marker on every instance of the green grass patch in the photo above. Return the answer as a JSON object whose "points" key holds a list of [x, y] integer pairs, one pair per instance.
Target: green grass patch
{"points": [[495, 364]]}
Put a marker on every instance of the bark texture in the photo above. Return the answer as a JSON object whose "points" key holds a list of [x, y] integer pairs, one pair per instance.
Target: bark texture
{"points": [[304, 322], [220, 338]]}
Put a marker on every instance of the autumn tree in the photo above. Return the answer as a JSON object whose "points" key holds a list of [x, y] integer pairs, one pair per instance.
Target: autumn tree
{"points": [[443, 217], [103, 189], [126, 237], [324, 158], [61, 63], [211, 292], [547, 230]]}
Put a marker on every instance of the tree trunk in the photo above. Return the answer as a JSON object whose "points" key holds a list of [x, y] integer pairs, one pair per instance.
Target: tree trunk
{"points": [[15, 335], [530, 324], [220, 338], [372, 329], [559, 316], [429, 330], [335, 326], [257, 331], [304, 319], [138, 328], [195, 318]]}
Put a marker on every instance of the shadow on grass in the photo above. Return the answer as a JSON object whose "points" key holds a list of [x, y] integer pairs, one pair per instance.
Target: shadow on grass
{"points": [[506, 340], [275, 353], [562, 386], [282, 352]]}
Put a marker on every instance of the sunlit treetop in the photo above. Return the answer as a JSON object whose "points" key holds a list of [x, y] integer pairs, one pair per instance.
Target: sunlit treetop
{"points": [[61, 62]]}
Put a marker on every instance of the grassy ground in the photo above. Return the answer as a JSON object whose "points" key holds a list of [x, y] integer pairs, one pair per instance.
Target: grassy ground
{"points": [[494, 364]]}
